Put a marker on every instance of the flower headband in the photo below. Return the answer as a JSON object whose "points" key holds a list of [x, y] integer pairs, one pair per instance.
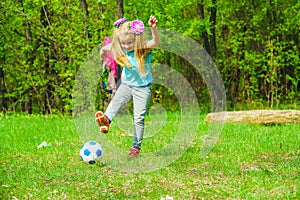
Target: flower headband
{"points": [[136, 26], [119, 22]]}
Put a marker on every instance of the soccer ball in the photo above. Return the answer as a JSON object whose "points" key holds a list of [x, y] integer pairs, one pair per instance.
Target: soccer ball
{"points": [[91, 152]]}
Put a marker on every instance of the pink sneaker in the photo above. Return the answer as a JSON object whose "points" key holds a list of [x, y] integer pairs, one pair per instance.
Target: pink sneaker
{"points": [[134, 152], [102, 121]]}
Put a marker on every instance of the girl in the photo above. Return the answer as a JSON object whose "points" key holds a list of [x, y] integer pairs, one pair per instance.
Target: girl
{"points": [[134, 54]]}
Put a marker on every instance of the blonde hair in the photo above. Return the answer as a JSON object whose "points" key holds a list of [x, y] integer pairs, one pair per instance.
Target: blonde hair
{"points": [[140, 50]]}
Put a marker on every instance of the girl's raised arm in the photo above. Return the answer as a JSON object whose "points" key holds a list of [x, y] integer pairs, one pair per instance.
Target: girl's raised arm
{"points": [[155, 35]]}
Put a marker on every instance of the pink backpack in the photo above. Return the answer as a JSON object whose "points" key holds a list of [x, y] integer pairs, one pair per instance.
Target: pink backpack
{"points": [[112, 72]]}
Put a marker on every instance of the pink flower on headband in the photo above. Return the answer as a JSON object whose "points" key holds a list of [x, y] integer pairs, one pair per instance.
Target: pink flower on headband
{"points": [[119, 22], [137, 26]]}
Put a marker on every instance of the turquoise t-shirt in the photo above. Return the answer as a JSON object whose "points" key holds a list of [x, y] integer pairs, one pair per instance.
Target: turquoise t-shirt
{"points": [[132, 77]]}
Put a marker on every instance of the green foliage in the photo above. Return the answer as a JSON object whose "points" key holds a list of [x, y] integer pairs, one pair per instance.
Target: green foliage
{"points": [[258, 51], [44, 43]]}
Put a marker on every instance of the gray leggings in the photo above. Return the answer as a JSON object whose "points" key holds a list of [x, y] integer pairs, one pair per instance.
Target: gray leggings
{"points": [[141, 97]]}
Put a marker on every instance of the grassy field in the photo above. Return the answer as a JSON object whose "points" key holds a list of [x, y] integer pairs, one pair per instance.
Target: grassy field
{"points": [[248, 162]]}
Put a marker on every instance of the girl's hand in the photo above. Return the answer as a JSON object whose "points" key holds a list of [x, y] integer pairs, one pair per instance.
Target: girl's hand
{"points": [[152, 22], [104, 50], [103, 54]]}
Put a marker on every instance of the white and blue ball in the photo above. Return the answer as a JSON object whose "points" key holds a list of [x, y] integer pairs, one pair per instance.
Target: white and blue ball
{"points": [[91, 152]]}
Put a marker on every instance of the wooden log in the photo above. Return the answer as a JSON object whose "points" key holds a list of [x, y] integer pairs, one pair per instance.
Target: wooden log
{"points": [[267, 117]]}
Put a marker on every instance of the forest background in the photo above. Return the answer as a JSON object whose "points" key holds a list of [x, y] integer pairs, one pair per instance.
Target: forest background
{"points": [[254, 44]]}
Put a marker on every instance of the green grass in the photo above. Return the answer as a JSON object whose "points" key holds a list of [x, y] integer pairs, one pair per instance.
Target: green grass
{"points": [[248, 162]]}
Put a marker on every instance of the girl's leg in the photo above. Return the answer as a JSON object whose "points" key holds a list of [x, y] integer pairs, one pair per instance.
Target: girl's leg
{"points": [[141, 97], [123, 95]]}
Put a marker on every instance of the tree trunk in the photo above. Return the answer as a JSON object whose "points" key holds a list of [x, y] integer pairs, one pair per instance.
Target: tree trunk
{"points": [[26, 106], [213, 17], [120, 8], [266, 117], [209, 42], [84, 6], [3, 100], [200, 13], [234, 86], [120, 12], [46, 22]]}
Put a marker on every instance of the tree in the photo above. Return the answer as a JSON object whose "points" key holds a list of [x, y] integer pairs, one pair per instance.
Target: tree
{"points": [[255, 45], [209, 38]]}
